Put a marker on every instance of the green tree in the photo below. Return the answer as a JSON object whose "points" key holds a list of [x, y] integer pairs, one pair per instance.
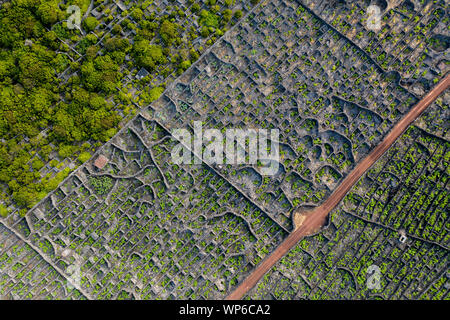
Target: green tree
{"points": [[147, 55], [204, 32], [155, 93], [49, 12], [84, 156], [168, 32], [208, 19], [100, 74], [3, 211], [117, 29], [137, 14], [195, 8], [101, 185], [90, 23], [185, 64]]}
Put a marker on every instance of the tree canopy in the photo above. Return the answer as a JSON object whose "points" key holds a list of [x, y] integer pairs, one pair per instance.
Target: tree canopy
{"points": [[148, 55]]}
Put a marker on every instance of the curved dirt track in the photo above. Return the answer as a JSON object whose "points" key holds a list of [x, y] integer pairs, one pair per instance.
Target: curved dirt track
{"points": [[318, 215]]}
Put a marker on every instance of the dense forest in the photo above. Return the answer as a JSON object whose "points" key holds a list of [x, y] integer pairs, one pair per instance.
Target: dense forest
{"points": [[56, 106]]}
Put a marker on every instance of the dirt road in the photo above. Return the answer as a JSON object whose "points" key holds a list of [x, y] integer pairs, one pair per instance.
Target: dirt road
{"points": [[317, 217]]}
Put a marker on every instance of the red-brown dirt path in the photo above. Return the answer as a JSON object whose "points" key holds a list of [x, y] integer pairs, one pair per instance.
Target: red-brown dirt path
{"points": [[317, 217]]}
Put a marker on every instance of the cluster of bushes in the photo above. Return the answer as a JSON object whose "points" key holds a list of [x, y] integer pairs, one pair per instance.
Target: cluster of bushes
{"points": [[40, 113], [101, 185], [31, 98]]}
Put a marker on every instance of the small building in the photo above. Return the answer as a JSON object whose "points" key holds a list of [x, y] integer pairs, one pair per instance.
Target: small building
{"points": [[101, 162], [403, 237], [142, 73]]}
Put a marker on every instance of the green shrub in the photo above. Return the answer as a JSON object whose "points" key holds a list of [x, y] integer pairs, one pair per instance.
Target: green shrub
{"points": [[84, 156], [3, 211], [101, 185], [90, 23], [66, 151], [155, 93], [185, 64], [208, 19], [37, 164]]}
